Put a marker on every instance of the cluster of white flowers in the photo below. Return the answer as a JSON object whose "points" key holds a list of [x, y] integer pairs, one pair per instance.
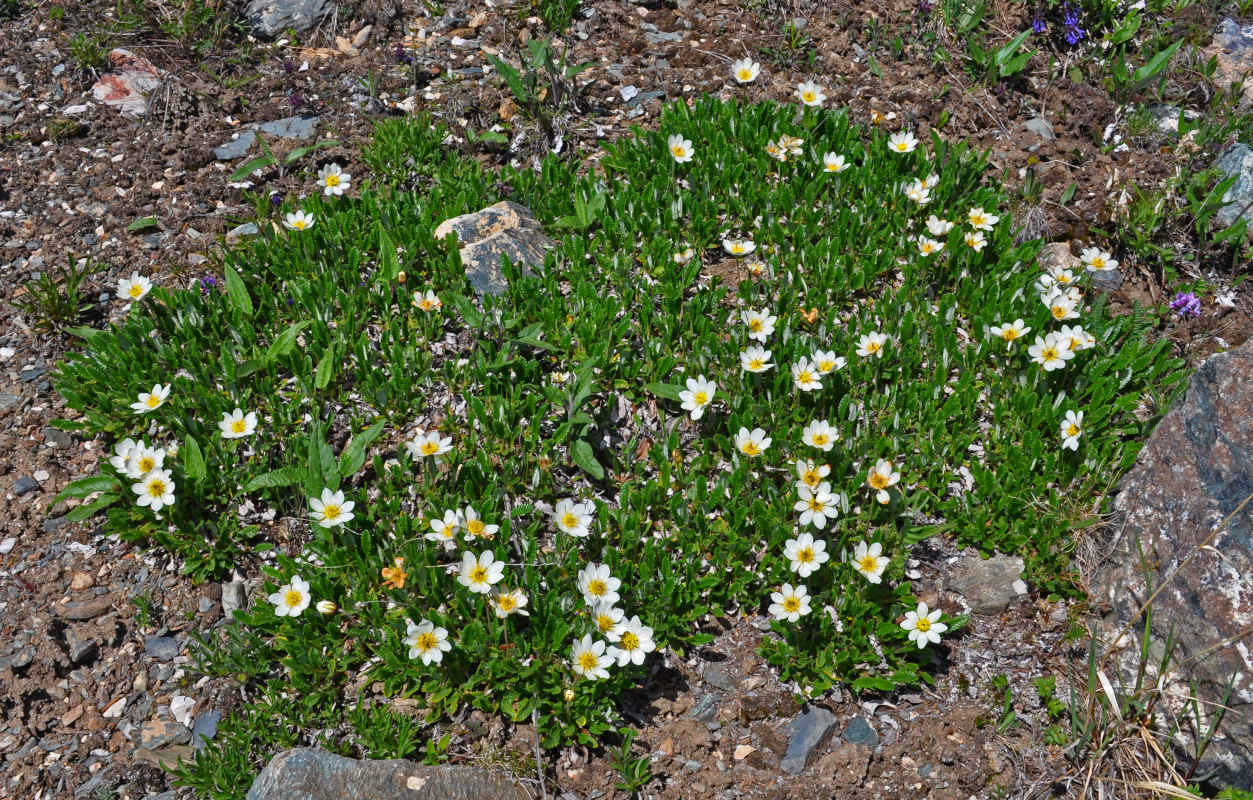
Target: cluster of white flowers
{"points": [[153, 484], [467, 521], [627, 641]]}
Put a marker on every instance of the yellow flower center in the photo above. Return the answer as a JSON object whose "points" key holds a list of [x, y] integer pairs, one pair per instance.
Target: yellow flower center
{"points": [[878, 480], [977, 219], [737, 247], [1049, 353], [1098, 262], [754, 325], [750, 448], [475, 527], [332, 180], [820, 439], [299, 224], [1010, 334], [330, 512], [869, 564], [745, 75], [156, 488], [136, 291], [756, 364], [238, 426], [901, 146], [629, 641], [791, 604], [805, 377], [430, 448], [152, 401], [873, 347], [927, 247], [809, 97], [604, 623], [924, 624], [678, 151], [812, 478], [597, 587], [588, 661], [293, 598], [569, 520], [806, 555], [426, 641], [478, 575], [1059, 312], [147, 463], [700, 398], [1072, 430], [506, 602], [1075, 344]]}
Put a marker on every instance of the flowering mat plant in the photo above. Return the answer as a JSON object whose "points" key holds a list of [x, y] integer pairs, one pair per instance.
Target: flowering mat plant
{"points": [[771, 352]]}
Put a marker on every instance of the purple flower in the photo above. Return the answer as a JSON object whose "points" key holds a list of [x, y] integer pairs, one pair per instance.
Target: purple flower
{"points": [[276, 199], [296, 99], [1038, 25], [207, 284], [289, 66], [403, 55], [1186, 304], [1071, 17], [924, 8]]}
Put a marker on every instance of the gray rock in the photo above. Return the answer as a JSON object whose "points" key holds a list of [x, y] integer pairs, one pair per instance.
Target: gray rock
{"points": [[1166, 117], [1107, 280], [484, 237], [240, 231], [56, 437], [1040, 127], [269, 18], [859, 732], [234, 596], [161, 648], [809, 730], [158, 733], [19, 659], [662, 37], [1233, 48], [7, 400], [1237, 160], [644, 97], [24, 484], [1194, 470], [989, 585], [206, 605], [308, 774], [303, 126], [705, 710], [81, 643], [205, 728], [235, 149], [85, 609], [721, 677]]}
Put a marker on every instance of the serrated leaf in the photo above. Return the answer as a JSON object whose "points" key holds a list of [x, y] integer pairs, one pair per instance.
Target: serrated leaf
{"points": [[285, 476], [143, 223], [236, 292], [86, 486], [581, 453]]}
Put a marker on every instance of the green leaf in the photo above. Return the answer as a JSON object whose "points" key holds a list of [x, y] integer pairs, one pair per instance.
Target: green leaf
{"points": [[260, 162], [301, 152], [698, 639], [353, 456], [85, 511], [237, 292], [193, 460], [669, 391], [322, 376], [472, 316], [873, 683], [143, 223], [285, 476], [85, 486], [85, 333], [583, 456], [285, 342], [389, 264]]}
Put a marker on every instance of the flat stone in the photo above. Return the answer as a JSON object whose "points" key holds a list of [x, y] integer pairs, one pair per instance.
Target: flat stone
{"points": [[859, 732], [308, 774], [84, 609], [165, 757], [18, 660], [161, 648], [24, 484], [234, 596], [269, 18], [82, 644], [1233, 47], [55, 437], [1237, 160], [158, 733], [8, 400], [237, 148], [126, 87], [1166, 117], [303, 126], [705, 710], [644, 97], [988, 584], [53, 524], [662, 37], [505, 229], [809, 730], [721, 677], [1192, 473], [205, 728], [1040, 127]]}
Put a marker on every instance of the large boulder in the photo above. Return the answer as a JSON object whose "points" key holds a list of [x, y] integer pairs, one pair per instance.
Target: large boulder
{"points": [[1194, 471], [309, 774], [505, 229], [1237, 160], [269, 18]]}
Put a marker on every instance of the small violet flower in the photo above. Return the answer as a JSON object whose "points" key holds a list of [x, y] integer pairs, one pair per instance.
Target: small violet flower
{"points": [[1186, 304]]}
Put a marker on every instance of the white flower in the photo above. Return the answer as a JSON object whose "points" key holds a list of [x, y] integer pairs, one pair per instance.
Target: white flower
{"points": [[929, 246], [298, 221], [820, 434], [816, 506], [937, 226], [975, 241], [832, 162], [810, 475], [755, 359], [931, 181], [760, 323], [776, 151], [1044, 285], [1097, 259], [474, 526], [881, 478], [426, 641], [810, 93], [807, 377], [980, 220], [588, 658], [918, 193], [923, 626], [1052, 352], [444, 529], [122, 454], [680, 148], [870, 561], [871, 344], [573, 518], [326, 607], [134, 288], [333, 180], [143, 460], [805, 554], [507, 603], [791, 144], [752, 443], [607, 617], [699, 394], [1010, 332], [903, 142], [427, 302], [155, 489], [1078, 338], [480, 573], [684, 257], [635, 640], [597, 585], [237, 424], [1061, 275], [745, 70], [790, 604], [151, 401], [827, 362], [428, 444], [738, 247], [292, 598], [1072, 429], [1061, 305], [331, 509]]}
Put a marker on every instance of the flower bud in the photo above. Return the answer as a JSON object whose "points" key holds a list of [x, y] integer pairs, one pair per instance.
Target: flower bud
{"points": [[401, 277], [569, 695], [327, 607]]}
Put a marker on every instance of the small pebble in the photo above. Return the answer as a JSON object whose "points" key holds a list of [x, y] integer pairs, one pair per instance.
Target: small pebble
{"points": [[42, 475], [7, 546]]}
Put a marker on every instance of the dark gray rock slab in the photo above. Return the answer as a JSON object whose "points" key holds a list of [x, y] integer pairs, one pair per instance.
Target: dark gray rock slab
{"points": [[988, 584], [722, 677], [809, 730], [205, 728], [81, 642], [161, 648], [158, 733], [1237, 160], [859, 732], [1192, 473], [24, 484], [234, 596], [1040, 127], [303, 126], [505, 229], [308, 774], [269, 18]]}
